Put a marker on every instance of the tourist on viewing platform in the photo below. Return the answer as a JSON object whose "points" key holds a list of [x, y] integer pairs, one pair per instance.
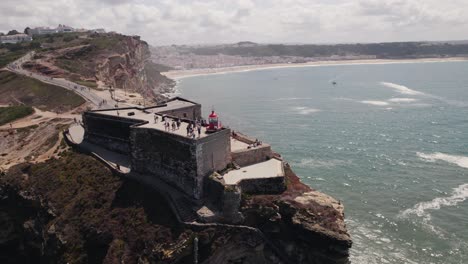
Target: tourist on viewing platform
{"points": [[173, 125], [188, 129], [178, 123], [156, 117], [166, 125], [199, 129]]}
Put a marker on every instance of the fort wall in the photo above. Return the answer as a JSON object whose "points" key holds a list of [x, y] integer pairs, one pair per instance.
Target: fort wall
{"points": [[273, 185], [214, 152], [167, 156], [251, 156], [110, 132], [180, 161], [189, 112]]}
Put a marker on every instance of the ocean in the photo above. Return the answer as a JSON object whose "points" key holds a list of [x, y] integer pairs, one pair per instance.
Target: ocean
{"points": [[390, 141]]}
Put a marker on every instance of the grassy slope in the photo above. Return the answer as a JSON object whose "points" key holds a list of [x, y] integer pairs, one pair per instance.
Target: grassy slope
{"points": [[8, 114], [96, 210], [16, 88]]}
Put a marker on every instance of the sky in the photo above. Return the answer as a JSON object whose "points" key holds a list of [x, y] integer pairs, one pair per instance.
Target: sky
{"points": [[165, 22]]}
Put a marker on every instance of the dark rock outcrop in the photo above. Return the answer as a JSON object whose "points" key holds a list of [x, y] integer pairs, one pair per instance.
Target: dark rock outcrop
{"points": [[73, 210]]}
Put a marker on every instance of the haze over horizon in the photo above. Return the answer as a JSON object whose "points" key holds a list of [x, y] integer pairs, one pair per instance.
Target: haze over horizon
{"points": [[282, 21]]}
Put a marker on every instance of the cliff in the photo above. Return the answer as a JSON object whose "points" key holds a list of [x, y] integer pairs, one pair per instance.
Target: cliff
{"points": [[101, 61], [72, 209]]}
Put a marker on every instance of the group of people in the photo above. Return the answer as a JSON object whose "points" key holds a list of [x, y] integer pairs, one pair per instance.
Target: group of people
{"points": [[192, 127], [255, 144], [101, 103], [172, 124], [169, 125]]}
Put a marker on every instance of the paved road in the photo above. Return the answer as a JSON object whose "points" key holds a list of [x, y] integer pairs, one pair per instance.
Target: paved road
{"points": [[87, 93]]}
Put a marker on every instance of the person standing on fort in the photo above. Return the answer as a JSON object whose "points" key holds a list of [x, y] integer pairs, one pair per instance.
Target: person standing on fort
{"points": [[178, 123], [156, 117], [199, 129], [166, 125], [173, 125], [188, 129]]}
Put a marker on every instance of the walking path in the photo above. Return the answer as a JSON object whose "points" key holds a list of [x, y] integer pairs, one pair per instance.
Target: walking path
{"points": [[87, 93], [38, 117]]}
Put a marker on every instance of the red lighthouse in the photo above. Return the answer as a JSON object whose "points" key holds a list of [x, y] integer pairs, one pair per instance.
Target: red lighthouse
{"points": [[213, 123]]}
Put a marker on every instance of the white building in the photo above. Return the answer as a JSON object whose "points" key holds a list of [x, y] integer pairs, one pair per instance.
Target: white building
{"points": [[46, 30], [65, 29], [15, 38], [98, 30]]}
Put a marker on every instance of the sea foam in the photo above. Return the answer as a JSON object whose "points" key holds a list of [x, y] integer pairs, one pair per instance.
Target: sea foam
{"points": [[378, 103], [457, 160], [402, 100], [458, 195], [401, 88], [305, 110]]}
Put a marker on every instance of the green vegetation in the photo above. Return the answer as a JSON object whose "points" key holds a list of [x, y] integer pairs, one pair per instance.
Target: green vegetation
{"points": [[89, 84], [11, 52], [17, 88], [95, 210], [11, 113]]}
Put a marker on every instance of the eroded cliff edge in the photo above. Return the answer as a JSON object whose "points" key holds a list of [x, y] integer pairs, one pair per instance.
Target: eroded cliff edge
{"points": [[101, 61], [73, 209]]}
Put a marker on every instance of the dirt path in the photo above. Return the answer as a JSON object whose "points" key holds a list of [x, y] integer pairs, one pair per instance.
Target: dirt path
{"points": [[39, 117]]}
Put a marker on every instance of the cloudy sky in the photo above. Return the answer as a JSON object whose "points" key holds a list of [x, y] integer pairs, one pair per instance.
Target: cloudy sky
{"points": [[162, 22]]}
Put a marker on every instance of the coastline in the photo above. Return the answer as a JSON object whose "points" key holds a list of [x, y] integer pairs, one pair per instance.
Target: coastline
{"points": [[180, 74]]}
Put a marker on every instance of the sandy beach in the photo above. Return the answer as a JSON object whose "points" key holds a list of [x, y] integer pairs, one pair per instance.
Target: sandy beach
{"points": [[180, 74]]}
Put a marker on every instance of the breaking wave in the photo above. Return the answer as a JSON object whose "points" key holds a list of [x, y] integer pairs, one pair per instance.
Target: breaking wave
{"points": [[316, 163], [378, 103], [291, 99], [305, 110], [402, 100], [401, 88], [457, 160], [458, 195]]}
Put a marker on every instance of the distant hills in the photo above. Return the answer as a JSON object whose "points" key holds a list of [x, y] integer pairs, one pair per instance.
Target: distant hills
{"points": [[251, 53], [395, 50]]}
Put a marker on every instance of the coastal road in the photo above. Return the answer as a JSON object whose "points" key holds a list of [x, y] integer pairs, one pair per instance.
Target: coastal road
{"points": [[87, 93]]}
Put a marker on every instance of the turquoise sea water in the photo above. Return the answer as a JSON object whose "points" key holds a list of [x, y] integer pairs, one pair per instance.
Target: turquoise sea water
{"points": [[390, 141]]}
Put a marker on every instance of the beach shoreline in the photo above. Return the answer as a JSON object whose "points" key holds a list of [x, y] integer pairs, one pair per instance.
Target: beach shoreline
{"points": [[180, 74]]}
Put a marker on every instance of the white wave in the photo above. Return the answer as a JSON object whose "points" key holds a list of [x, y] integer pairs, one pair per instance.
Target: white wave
{"points": [[457, 160], [402, 100], [458, 195], [305, 110], [378, 103], [401, 89], [291, 99], [316, 163]]}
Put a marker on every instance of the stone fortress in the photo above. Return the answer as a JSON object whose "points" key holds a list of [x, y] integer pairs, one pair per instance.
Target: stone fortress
{"points": [[210, 171]]}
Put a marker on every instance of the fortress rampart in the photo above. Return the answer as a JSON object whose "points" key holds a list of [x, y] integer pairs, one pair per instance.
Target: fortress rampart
{"points": [[181, 161], [216, 167]]}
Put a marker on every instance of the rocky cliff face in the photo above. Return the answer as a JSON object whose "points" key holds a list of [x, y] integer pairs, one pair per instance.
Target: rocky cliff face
{"points": [[72, 209], [132, 70], [103, 60]]}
